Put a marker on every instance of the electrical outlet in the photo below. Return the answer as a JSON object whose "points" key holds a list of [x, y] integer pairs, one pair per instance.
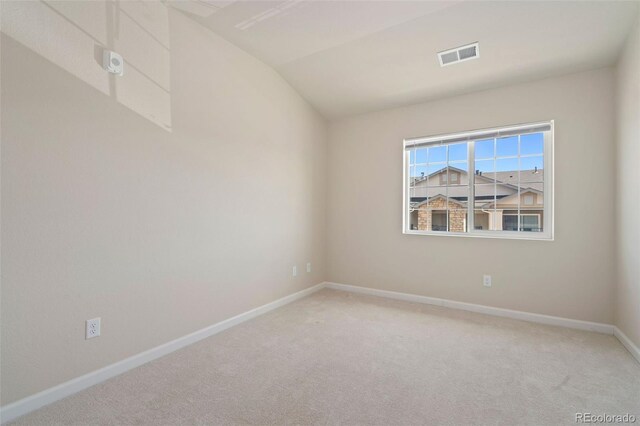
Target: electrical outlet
{"points": [[295, 271], [486, 280], [93, 328], [308, 266]]}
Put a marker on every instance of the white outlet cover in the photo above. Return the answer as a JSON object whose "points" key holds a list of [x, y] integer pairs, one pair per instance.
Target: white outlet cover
{"points": [[309, 267], [486, 280], [92, 328], [295, 271]]}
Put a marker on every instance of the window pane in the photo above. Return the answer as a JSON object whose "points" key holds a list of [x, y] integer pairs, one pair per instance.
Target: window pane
{"points": [[484, 149], [484, 166], [454, 178], [458, 152], [531, 163], [421, 155], [507, 165], [528, 200], [417, 214], [530, 223], [457, 220], [437, 220], [413, 220], [418, 171], [507, 146], [419, 192], [437, 154], [508, 177], [484, 207], [458, 173], [484, 194], [510, 222], [534, 210], [531, 144], [481, 219], [434, 169], [419, 183]]}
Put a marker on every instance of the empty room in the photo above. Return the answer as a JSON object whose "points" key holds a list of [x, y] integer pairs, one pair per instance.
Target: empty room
{"points": [[317, 212]]}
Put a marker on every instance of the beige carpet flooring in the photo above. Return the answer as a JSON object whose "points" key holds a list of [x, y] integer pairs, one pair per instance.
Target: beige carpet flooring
{"points": [[341, 358]]}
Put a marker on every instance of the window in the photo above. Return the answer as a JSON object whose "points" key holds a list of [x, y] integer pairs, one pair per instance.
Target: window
{"points": [[528, 222], [491, 183], [444, 177], [528, 200]]}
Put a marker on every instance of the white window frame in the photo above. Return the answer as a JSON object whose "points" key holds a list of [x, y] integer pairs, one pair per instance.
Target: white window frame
{"points": [[547, 234]]}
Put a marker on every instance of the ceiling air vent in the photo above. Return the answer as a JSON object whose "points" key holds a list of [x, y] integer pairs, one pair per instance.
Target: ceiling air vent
{"points": [[459, 54]]}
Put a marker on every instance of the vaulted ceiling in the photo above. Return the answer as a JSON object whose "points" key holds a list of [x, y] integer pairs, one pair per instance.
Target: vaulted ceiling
{"points": [[349, 57]]}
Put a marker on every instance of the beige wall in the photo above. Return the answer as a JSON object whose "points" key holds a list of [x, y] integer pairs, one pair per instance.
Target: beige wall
{"points": [[158, 227], [572, 276], [627, 306], [182, 193]]}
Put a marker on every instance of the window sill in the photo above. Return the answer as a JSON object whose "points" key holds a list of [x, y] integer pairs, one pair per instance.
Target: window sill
{"points": [[504, 235]]}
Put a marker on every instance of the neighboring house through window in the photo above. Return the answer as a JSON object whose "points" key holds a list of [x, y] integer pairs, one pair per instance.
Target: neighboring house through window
{"points": [[495, 183]]}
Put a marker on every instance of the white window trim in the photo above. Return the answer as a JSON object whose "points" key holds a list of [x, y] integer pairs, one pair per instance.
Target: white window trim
{"points": [[549, 199]]}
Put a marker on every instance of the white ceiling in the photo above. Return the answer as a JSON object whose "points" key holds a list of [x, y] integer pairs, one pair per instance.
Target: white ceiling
{"points": [[349, 57]]}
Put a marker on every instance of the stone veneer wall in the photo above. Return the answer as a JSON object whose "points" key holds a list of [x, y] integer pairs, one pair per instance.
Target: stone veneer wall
{"points": [[457, 215]]}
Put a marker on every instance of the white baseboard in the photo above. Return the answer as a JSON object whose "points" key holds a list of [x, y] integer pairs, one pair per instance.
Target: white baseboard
{"points": [[482, 309], [627, 343], [40, 399], [33, 402], [489, 310]]}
